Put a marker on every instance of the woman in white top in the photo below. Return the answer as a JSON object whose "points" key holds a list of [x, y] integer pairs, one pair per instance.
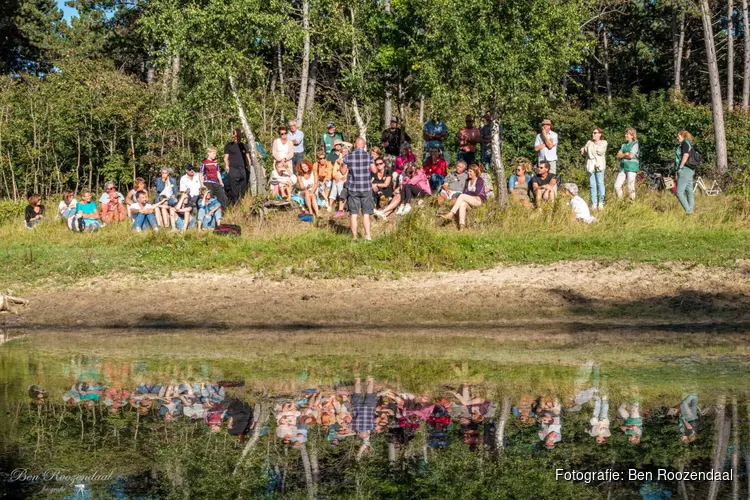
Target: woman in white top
{"points": [[595, 152], [282, 149], [307, 183]]}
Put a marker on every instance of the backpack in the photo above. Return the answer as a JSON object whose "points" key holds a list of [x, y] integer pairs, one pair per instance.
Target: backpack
{"points": [[695, 158], [228, 230]]}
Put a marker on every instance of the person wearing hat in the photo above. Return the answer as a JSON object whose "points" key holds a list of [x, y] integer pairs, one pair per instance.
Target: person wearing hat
{"points": [[190, 184], [578, 204], [546, 146], [329, 137], [392, 139]]}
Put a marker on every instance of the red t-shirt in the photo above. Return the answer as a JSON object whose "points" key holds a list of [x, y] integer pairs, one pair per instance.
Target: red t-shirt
{"points": [[210, 171], [440, 167]]}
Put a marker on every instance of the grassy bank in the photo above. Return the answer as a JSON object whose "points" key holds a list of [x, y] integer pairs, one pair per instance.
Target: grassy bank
{"points": [[653, 229]]}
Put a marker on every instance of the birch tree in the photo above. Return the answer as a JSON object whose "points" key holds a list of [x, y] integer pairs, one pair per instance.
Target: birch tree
{"points": [[717, 106]]}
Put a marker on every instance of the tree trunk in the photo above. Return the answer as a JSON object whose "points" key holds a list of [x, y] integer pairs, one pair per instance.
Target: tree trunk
{"points": [[678, 43], [497, 162], [746, 39], [730, 55], [259, 175], [312, 82], [717, 106], [261, 413], [607, 81], [308, 471], [302, 101], [501, 422], [421, 120], [314, 466], [735, 445], [358, 118], [175, 76], [720, 426], [166, 78], [392, 453], [387, 109]]}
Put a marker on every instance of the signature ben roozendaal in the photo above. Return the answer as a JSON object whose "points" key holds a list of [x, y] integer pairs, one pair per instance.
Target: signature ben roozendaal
{"points": [[24, 475]]}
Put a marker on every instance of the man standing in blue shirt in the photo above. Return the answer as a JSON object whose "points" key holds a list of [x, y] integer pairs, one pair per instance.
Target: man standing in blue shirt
{"points": [[434, 133], [298, 140], [359, 187]]}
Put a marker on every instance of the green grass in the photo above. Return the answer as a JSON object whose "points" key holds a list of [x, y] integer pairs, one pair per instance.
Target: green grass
{"points": [[653, 229]]}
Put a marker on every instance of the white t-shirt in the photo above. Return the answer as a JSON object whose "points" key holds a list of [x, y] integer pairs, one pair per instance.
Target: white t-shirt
{"points": [[191, 186], [545, 153], [581, 210], [63, 207], [105, 197], [135, 208]]}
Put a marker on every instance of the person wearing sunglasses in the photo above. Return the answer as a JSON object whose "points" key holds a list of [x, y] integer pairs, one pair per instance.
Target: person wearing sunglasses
{"points": [[595, 152], [519, 182], [283, 148], [113, 205]]}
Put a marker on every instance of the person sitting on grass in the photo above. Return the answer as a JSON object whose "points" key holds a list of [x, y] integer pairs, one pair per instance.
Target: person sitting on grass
{"points": [[166, 190], [392, 207], [282, 182], [184, 212], [165, 213], [404, 158], [543, 184], [551, 425], [436, 169], [382, 187], [472, 197], [633, 422], [579, 206], [113, 205], [34, 211], [339, 191], [138, 185], [363, 412], [143, 213], [599, 423], [87, 213], [209, 211], [307, 183], [416, 185], [519, 182], [489, 189], [454, 184], [324, 172], [67, 207]]}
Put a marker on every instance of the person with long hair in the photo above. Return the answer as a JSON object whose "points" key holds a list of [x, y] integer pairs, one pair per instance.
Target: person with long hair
{"points": [[307, 183], [595, 152], [520, 181], [472, 197], [629, 163], [685, 171]]}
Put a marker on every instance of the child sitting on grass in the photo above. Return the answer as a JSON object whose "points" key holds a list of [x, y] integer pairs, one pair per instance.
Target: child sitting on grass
{"points": [[209, 211], [87, 213], [184, 212], [579, 206], [67, 207], [34, 211], [281, 181]]}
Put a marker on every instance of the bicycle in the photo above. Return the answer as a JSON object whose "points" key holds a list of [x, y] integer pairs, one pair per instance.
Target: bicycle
{"points": [[652, 180], [713, 190]]}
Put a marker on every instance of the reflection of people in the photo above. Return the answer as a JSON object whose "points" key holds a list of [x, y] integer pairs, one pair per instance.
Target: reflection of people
{"points": [[599, 423], [363, 411], [633, 422], [551, 425], [687, 411]]}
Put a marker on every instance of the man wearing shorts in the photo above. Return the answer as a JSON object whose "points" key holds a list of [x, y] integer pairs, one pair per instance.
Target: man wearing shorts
{"points": [[359, 187], [454, 184]]}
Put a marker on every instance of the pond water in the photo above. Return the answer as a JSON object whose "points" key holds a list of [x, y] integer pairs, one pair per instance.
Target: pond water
{"points": [[171, 414]]}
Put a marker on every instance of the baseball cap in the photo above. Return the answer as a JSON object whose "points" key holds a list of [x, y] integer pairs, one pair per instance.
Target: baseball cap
{"points": [[546, 122], [337, 142], [394, 119], [572, 188], [330, 125], [189, 167]]}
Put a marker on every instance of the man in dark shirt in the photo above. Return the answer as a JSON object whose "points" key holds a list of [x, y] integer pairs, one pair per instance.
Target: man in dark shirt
{"points": [[544, 184], [392, 140], [359, 187], [236, 163]]}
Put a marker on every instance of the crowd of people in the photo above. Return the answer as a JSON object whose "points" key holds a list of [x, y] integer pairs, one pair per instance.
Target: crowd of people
{"points": [[362, 413], [380, 181]]}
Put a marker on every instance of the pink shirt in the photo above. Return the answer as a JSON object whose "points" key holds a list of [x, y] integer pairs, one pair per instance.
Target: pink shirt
{"points": [[419, 179], [401, 161], [468, 139]]}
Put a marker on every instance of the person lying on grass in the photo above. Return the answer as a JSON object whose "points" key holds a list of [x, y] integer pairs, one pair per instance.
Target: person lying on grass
{"points": [[143, 213], [472, 197], [34, 211], [543, 184], [87, 213], [307, 183], [209, 211], [454, 184], [184, 212], [580, 207]]}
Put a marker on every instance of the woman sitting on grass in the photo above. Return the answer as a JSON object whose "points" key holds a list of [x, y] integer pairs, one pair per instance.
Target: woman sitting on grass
{"points": [[139, 185], [518, 184], [209, 211], [324, 171], [183, 213], [166, 189], [307, 183], [67, 207], [382, 187], [472, 197], [87, 213], [416, 185], [405, 158], [34, 211]]}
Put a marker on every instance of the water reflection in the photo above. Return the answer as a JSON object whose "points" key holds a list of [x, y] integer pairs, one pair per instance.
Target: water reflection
{"points": [[121, 430]]}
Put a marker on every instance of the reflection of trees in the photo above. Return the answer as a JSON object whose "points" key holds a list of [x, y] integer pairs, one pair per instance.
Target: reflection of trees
{"points": [[185, 459]]}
